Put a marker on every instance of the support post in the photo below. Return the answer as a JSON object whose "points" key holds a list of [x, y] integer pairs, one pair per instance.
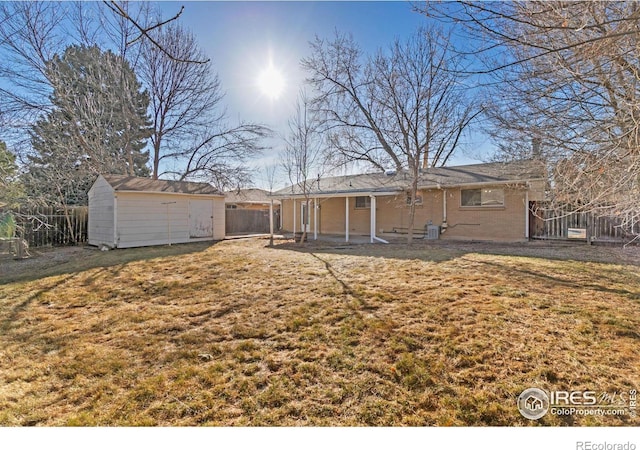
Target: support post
{"points": [[271, 223], [373, 218], [315, 219], [346, 220], [294, 216]]}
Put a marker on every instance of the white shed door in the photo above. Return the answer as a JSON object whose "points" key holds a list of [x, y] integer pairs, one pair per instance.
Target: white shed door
{"points": [[200, 218]]}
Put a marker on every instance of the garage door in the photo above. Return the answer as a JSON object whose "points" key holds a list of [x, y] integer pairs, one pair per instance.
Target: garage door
{"points": [[200, 218]]}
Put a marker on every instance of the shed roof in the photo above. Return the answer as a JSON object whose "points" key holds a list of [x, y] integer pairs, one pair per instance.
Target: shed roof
{"points": [[122, 183], [251, 195], [437, 177]]}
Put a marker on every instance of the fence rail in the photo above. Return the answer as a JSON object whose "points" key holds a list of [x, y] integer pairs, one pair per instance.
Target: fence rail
{"points": [[547, 223], [50, 226]]}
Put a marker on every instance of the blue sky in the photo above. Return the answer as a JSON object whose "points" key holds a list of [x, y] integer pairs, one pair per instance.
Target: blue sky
{"points": [[242, 38]]}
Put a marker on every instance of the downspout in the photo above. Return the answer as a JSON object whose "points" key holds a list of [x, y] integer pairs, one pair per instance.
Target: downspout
{"points": [[373, 222], [294, 216], [444, 225]]}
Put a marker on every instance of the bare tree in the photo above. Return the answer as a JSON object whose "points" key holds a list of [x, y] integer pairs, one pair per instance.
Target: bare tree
{"points": [[567, 77], [189, 121], [30, 34], [407, 107], [302, 156], [145, 30]]}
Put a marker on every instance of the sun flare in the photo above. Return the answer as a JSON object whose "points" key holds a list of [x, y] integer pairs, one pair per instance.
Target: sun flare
{"points": [[271, 82]]}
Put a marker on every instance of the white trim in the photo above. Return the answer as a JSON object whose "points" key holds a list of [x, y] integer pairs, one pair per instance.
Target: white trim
{"points": [[115, 219], [372, 217], [342, 194], [444, 206], [526, 214], [295, 219], [271, 220], [346, 220], [170, 193], [399, 191], [315, 219]]}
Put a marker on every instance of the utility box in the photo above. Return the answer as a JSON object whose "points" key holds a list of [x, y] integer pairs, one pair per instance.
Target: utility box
{"points": [[433, 232], [576, 233]]}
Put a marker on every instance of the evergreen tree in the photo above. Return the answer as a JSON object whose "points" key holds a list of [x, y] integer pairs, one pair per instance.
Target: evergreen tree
{"points": [[10, 187], [98, 124]]}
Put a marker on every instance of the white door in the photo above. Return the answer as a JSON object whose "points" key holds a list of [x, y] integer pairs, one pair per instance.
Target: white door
{"points": [[304, 217], [200, 218]]}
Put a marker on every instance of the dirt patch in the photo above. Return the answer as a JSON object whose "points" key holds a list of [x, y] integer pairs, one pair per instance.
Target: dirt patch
{"points": [[40, 261]]}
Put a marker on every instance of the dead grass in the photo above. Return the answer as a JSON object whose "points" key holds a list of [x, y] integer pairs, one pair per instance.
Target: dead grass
{"points": [[241, 334]]}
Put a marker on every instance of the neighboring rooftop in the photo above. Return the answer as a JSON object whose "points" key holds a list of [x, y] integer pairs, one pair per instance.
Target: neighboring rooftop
{"points": [[251, 195], [139, 184], [473, 174]]}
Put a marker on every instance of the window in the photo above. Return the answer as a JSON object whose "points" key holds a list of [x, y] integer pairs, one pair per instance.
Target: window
{"points": [[482, 197], [418, 199], [231, 206], [363, 202]]}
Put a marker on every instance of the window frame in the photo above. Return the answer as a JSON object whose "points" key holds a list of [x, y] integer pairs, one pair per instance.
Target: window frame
{"points": [[419, 199], [481, 204], [367, 202]]}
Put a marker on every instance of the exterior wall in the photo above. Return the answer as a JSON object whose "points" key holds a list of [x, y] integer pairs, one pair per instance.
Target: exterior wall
{"points": [[487, 223], [218, 218], [142, 219], [101, 214], [392, 216]]}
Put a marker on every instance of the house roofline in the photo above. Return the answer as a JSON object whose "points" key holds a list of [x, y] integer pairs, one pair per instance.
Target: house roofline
{"points": [[386, 192]]}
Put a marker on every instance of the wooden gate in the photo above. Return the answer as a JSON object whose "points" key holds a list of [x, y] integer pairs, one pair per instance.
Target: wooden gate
{"points": [[249, 221]]}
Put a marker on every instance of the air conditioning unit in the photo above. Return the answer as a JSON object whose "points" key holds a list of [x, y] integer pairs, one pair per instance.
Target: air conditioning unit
{"points": [[433, 232]]}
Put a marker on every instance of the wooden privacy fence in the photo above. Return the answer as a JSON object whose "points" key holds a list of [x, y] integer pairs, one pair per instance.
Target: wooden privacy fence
{"points": [[561, 223], [50, 226], [249, 221]]}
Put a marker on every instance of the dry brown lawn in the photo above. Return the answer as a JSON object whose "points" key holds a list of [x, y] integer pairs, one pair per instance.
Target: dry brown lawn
{"points": [[237, 333]]}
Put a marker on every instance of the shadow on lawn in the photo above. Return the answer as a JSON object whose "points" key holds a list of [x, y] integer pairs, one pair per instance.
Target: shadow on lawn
{"points": [[61, 261], [602, 280], [10, 318], [440, 251], [394, 251]]}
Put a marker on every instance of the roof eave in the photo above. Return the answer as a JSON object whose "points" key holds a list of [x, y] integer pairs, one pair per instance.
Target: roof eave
{"points": [[127, 191]]}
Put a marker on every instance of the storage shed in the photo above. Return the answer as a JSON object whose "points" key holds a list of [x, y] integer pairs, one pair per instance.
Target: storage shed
{"points": [[126, 211]]}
